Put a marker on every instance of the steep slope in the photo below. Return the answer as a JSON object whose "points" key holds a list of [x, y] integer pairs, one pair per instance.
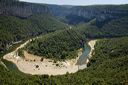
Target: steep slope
{"points": [[69, 14], [14, 29], [78, 14], [21, 9], [114, 28]]}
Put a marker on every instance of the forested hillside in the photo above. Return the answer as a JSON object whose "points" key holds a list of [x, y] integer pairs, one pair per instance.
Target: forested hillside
{"points": [[114, 28], [64, 44], [13, 29], [33, 20], [107, 66], [58, 45]]}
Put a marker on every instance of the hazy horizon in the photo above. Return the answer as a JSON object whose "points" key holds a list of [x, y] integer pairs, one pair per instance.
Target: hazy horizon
{"points": [[79, 2]]}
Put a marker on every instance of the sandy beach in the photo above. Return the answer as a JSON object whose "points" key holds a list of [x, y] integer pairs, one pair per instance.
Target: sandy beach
{"points": [[32, 64], [92, 45]]}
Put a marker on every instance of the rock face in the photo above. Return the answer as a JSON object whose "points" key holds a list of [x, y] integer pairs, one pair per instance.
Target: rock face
{"points": [[101, 13], [59, 10], [21, 9], [71, 14], [76, 14]]}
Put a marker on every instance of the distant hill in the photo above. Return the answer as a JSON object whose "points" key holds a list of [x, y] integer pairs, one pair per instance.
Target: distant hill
{"points": [[114, 28], [66, 13], [78, 14]]}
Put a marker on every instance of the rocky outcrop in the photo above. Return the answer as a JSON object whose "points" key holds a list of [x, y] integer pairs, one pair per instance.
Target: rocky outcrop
{"points": [[76, 14], [21, 9], [101, 13], [72, 14]]}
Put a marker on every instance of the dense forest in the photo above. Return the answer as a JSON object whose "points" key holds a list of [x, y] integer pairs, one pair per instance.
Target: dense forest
{"points": [[13, 29], [114, 28], [58, 45], [64, 44], [107, 66]]}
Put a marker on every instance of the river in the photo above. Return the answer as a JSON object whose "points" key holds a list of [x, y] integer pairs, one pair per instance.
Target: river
{"points": [[82, 59], [47, 67]]}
